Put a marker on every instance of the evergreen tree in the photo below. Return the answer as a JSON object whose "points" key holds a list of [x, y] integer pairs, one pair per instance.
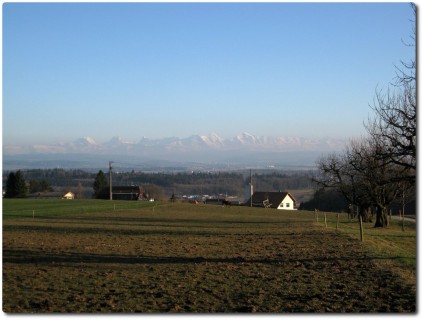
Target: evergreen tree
{"points": [[21, 188], [99, 183], [39, 186], [16, 185], [34, 186], [10, 186]]}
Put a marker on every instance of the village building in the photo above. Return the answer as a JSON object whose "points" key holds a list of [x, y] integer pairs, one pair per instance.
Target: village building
{"points": [[276, 200], [46, 195], [122, 193], [69, 196]]}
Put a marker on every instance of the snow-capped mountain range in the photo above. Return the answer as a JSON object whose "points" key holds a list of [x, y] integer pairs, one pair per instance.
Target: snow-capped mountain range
{"points": [[197, 152], [194, 143]]}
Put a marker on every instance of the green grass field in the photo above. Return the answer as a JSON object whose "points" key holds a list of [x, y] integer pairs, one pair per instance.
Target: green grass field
{"points": [[389, 242], [117, 256], [21, 208]]}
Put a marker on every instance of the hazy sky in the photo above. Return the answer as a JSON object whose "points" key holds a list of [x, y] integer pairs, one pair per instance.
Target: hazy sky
{"points": [[169, 69]]}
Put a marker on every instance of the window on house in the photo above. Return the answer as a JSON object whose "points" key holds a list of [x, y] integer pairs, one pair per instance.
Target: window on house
{"points": [[287, 205], [281, 205]]}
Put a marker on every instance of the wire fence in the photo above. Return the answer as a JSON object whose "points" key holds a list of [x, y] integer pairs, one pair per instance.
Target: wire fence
{"points": [[343, 222]]}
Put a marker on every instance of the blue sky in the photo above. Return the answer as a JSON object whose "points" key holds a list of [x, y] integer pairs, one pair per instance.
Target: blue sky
{"points": [[177, 69]]}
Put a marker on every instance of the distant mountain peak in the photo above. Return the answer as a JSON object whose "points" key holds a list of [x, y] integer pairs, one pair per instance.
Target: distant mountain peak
{"points": [[213, 140], [118, 140], [90, 140], [195, 143], [86, 141]]}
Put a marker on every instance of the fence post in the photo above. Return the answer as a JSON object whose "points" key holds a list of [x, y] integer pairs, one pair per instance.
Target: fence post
{"points": [[402, 226], [326, 225], [337, 221], [361, 227], [33, 214]]}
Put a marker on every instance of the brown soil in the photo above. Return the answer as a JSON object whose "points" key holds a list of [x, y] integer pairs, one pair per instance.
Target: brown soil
{"points": [[144, 262]]}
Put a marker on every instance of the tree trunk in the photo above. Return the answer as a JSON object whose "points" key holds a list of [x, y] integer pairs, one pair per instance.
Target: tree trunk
{"points": [[381, 217], [366, 214]]}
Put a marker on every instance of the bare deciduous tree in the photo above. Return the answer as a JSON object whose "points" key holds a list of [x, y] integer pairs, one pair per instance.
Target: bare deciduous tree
{"points": [[364, 178], [407, 73], [375, 170], [395, 121], [379, 177], [395, 126], [337, 173]]}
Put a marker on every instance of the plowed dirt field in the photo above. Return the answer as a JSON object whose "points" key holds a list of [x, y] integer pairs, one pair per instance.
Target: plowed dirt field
{"points": [[186, 258]]}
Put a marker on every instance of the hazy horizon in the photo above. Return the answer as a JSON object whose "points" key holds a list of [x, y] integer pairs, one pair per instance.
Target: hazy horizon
{"points": [[137, 139], [207, 152]]}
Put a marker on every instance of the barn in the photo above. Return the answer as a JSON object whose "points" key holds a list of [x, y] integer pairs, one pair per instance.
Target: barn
{"points": [[275, 200], [121, 193]]}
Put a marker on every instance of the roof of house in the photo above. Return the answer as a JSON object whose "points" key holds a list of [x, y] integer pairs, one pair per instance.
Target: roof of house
{"points": [[52, 194], [121, 189], [126, 189], [275, 198]]}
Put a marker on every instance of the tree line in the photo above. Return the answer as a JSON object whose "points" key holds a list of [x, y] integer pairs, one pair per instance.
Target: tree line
{"points": [[161, 183]]}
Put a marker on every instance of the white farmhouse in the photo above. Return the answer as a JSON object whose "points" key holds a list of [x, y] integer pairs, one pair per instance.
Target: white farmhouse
{"points": [[276, 200], [69, 196]]}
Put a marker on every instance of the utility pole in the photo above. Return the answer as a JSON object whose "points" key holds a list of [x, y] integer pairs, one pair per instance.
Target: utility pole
{"points": [[110, 180], [251, 190], [403, 200]]}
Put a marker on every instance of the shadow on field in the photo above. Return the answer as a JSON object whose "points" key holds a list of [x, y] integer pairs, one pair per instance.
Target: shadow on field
{"points": [[147, 221], [111, 229], [38, 257], [107, 223]]}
